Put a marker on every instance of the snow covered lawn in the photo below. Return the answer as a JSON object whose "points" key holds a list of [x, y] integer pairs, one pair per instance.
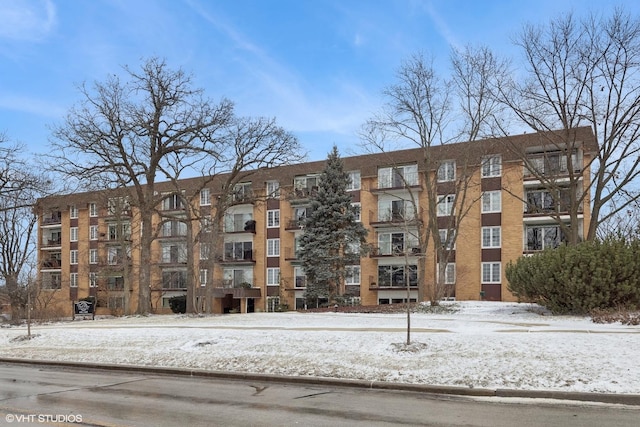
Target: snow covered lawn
{"points": [[483, 344]]}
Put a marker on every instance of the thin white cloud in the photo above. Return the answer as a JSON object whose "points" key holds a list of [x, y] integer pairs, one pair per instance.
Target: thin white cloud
{"points": [[27, 20], [441, 26], [298, 105], [31, 105]]}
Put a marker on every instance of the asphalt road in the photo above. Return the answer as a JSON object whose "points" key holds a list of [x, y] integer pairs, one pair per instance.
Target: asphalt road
{"points": [[45, 395]]}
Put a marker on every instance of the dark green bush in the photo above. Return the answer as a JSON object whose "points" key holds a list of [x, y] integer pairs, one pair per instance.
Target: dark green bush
{"points": [[178, 304], [597, 275]]}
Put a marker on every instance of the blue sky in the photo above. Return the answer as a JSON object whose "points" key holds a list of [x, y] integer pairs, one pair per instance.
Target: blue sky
{"points": [[318, 66]]}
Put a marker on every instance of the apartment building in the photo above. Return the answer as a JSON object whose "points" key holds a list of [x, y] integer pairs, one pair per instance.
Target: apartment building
{"points": [[88, 242]]}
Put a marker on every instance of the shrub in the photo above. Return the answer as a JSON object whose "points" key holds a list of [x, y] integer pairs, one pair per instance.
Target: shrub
{"points": [[178, 304], [597, 275]]}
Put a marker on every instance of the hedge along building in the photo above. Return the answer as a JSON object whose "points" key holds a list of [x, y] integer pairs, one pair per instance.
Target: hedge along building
{"points": [[235, 249]]}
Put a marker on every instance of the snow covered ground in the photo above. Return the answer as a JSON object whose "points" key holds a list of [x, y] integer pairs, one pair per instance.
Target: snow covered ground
{"points": [[482, 344]]}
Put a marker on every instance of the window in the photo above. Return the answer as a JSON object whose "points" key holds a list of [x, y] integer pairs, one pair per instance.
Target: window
{"points": [[172, 202], [118, 231], [273, 189], [204, 273], [73, 234], [174, 229], [273, 218], [238, 222], [445, 205], [491, 201], [543, 237], [93, 232], [174, 279], [450, 273], [398, 177], [491, 272], [395, 243], [205, 224], [73, 256], [490, 237], [73, 212], [273, 276], [93, 209], [491, 166], [204, 251], [205, 197], [93, 280], [73, 280], [174, 253], [116, 255], [273, 247], [235, 277], [394, 275], [395, 210], [118, 205], [354, 180], [93, 256], [242, 192], [447, 238], [357, 210], [238, 251], [300, 277], [306, 185], [447, 171], [352, 275], [273, 304], [115, 283], [551, 163]]}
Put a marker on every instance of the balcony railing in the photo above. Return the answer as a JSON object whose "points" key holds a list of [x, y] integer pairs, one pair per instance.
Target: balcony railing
{"points": [[51, 263]]}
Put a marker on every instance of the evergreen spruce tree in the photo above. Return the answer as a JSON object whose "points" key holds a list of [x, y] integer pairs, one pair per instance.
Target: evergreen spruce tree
{"points": [[332, 238]]}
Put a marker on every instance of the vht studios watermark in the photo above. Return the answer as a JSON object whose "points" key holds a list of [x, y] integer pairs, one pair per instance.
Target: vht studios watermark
{"points": [[43, 418]]}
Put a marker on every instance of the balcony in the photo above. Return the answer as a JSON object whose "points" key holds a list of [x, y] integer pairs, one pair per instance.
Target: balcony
{"points": [[51, 264], [52, 218], [399, 217], [246, 257], [395, 251], [294, 224], [550, 165], [51, 243]]}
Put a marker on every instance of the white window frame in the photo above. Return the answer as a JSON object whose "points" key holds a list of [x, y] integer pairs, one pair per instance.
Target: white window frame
{"points": [[273, 190], [273, 276], [73, 280], [450, 273], [204, 275], [409, 174], [93, 256], [205, 197], [489, 236], [446, 205], [491, 166], [93, 280], [491, 201], [73, 234], [354, 181], [93, 209], [358, 211], [73, 256], [353, 275], [273, 218], [73, 212], [273, 247], [488, 273], [444, 232], [93, 232], [447, 171]]}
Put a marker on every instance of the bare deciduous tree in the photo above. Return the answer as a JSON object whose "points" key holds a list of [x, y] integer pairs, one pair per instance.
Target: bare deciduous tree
{"points": [[156, 127], [583, 73], [420, 110], [128, 133]]}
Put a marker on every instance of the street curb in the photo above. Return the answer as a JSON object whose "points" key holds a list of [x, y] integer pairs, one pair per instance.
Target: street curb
{"points": [[610, 398]]}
